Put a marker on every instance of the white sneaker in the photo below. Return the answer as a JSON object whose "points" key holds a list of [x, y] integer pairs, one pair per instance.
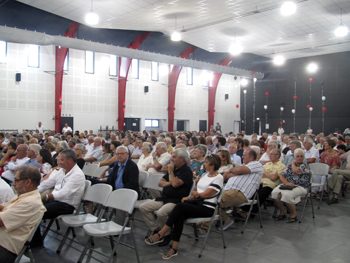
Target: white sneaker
{"points": [[226, 225]]}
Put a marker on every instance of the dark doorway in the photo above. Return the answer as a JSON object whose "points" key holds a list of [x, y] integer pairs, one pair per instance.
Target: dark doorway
{"points": [[180, 126], [68, 120], [202, 125], [256, 127], [131, 124]]}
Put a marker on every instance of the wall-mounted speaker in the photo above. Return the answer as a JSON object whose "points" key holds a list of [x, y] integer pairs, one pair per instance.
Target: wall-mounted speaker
{"points": [[146, 89], [18, 76], [226, 96]]}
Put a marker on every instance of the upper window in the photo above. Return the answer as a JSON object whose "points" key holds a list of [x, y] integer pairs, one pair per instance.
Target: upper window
{"points": [[189, 76], [113, 65], [89, 62], [134, 68], [155, 71], [66, 62], [33, 56], [149, 123], [3, 51]]}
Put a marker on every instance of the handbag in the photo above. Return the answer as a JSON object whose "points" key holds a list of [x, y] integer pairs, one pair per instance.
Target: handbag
{"points": [[194, 201], [286, 187]]}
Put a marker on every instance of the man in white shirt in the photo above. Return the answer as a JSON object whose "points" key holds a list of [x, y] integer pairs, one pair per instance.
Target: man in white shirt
{"points": [[161, 157], [40, 127], [96, 153], [69, 186], [312, 155], [66, 128], [236, 160], [6, 192], [20, 159], [271, 145], [89, 143]]}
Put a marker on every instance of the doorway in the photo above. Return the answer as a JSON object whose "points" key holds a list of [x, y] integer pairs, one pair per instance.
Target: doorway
{"points": [[131, 124], [202, 125]]}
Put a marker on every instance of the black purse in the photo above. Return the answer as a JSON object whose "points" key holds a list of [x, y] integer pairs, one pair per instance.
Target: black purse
{"points": [[194, 201], [286, 187]]}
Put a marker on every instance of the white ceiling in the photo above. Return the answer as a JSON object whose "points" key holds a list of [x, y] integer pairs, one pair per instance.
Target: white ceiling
{"points": [[214, 25]]}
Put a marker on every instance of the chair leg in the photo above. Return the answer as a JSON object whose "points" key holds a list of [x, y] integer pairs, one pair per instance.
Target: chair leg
{"points": [[259, 209], [19, 256], [73, 233], [307, 193], [57, 224], [133, 239], [112, 244], [222, 230], [48, 228], [312, 206], [195, 229], [63, 240], [84, 250], [32, 260]]}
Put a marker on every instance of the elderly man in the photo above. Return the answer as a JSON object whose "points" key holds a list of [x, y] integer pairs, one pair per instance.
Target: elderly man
{"points": [[312, 155], [270, 179], [96, 153], [32, 154], [66, 128], [19, 216], [236, 160], [69, 186], [90, 143], [290, 156], [176, 184], [137, 151], [168, 142], [16, 161], [243, 181], [127, 143], [271, 145], [161, 157]]}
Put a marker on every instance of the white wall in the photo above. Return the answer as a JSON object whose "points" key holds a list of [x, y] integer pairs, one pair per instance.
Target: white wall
{"points": [[92, 99]]}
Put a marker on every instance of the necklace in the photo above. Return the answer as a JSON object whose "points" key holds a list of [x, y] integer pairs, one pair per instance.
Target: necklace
{"points": [[213, 175]]}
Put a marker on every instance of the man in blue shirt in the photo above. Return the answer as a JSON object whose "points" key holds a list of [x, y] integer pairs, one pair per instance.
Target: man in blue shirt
{"points": [[32, 154]]}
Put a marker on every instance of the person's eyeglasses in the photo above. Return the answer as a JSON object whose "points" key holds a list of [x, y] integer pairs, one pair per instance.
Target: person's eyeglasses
{"points": [[120, 153], [273, 154], [298, 156], [17, 180]]}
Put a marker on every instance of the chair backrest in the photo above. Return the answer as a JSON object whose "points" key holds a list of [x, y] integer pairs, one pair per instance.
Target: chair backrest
{"points": [[192, 188], [143, 176], [90, 168], [100, 170], [152, 182], [220, 195], [98, 193], [135, 160], [87, 186], [122, 199], [319, 168]]}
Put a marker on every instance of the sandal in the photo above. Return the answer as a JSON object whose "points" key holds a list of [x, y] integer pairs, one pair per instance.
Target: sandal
{"points": [[242, 214], [167, 256], [280, 217], [292, 220], [151, 242]]}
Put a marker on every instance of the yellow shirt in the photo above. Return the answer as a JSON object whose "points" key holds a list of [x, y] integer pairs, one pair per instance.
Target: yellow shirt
{"points": [[272, 168], [20, 216], [170, 149]]}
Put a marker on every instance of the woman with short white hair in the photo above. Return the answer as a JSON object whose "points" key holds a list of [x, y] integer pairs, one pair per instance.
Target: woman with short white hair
{"points": [[146, 157], [295, 181]]}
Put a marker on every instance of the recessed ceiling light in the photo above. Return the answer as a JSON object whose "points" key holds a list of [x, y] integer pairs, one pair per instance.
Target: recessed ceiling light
{"points": [[91, 18], [176, 36], [236, 49], [244, 82], [341, 31], [278, 60], [288, 8], [312, 67]]}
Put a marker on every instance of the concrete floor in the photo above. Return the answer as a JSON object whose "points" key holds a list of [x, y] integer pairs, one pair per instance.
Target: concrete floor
{"points": [[323, 239]]}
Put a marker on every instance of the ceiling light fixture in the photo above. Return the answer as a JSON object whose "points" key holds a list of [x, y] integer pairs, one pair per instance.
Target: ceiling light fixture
{"points": [[312, 67], [244, 82], [91, 18], [278, 60], [175, 36], [288, 8], [236, 49], [341, 30]]}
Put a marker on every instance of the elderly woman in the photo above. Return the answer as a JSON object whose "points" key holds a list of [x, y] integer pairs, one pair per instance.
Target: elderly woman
{"points": [[80, 151], [197, 164], [146, 157], [297, 176], [226, 162], [208, 188]]}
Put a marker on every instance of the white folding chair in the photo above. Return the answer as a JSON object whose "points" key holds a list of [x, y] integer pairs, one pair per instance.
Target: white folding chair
{"points": [[87, 185], [99, 171], [216, 216], [254, 201], [308, 193], [27, 244], [121, 199], [151, 183], [135, 160], [90, 169], [320, 169], [97, 193], [143, 177]]}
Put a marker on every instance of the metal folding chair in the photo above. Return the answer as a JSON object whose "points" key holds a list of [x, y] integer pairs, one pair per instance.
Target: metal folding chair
{"points": [[321, 169]]}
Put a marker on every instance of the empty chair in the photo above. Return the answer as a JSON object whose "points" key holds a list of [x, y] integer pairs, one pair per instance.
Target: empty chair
{"points": [[320, 169], [99, 171], [97, 193], [90, 169], [123, 200], [152, 184]]}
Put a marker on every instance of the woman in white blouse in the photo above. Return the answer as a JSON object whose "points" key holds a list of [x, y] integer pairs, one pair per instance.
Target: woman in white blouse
{"points": [[146, 157]]}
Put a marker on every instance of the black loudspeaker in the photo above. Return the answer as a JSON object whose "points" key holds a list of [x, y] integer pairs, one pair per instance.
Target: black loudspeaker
{"points": [[18, 76], [226, 96], [146, 89]]}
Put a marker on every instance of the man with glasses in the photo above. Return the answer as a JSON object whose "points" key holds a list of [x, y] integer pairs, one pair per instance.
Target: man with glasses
{"points": [[18, 160], [270, 179], [271, 145], [69, 186], [21, 214], [32, 154]]}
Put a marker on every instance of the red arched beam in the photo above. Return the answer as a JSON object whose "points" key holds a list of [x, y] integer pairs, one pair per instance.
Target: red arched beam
{"points": [[213, 84], [172, 83], [61, 54], [124, 65]]}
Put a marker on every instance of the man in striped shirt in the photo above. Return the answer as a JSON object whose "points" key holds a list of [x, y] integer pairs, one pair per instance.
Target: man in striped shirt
{"points": [[243, 182]]}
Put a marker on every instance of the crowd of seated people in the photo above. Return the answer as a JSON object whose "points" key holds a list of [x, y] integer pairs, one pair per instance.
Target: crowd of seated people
{"points": [[267, 164]]}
